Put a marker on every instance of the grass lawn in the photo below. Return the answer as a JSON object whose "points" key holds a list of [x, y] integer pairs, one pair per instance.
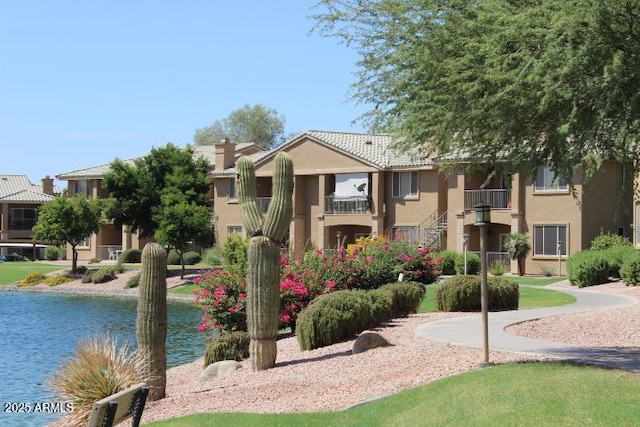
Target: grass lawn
{"points": [[532, 394], [11, 272], [184, 289], [536, 281]]}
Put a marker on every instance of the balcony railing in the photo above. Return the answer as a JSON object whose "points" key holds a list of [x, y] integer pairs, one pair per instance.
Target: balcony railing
{"points": [[346, 206], [496, 198], [495, 257]]}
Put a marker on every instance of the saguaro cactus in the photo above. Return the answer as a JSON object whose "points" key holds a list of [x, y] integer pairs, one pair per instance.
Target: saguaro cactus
{"points": [[151, 323], [263, 256]]}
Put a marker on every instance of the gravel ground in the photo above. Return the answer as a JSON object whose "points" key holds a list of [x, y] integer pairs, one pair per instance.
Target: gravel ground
{"points": [[331, 378]]}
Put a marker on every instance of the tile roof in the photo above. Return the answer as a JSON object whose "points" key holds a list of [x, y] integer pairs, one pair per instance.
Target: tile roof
{"points": [[18, 188], [374, 149]]}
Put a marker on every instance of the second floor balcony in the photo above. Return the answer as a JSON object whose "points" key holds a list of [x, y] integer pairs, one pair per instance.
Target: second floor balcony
{"points": [[496, 198], [356, 205]]}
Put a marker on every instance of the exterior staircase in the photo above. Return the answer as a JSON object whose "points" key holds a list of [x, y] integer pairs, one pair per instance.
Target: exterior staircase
{"points": [[432, 231]]}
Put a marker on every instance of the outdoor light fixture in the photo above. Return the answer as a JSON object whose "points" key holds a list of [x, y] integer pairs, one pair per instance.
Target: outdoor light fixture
{"points": [[338, 236], [483, 219], [483, 214]]}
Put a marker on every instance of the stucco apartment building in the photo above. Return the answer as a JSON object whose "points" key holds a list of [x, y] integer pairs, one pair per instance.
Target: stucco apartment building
{"points": [[350, 184], [19, 204]]}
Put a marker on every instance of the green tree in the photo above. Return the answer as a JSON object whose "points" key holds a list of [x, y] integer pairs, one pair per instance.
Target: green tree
{"points": [[137, 190], [182, 223], [535, 82], [68, 220], [257, 123]]}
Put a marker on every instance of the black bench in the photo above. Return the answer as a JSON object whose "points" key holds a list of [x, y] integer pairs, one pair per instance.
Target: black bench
{"points": [[118, 407]]}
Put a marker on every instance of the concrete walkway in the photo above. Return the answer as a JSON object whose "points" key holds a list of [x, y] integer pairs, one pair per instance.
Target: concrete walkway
{"points": [[467, 331]]}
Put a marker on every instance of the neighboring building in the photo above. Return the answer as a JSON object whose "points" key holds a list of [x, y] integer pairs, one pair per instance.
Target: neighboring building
{"points": [[350, 184], [19, 204], [111, 240]]}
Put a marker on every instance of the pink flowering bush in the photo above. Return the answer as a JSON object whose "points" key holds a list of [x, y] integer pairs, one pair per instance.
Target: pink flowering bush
{"points": [[368, 264], [222, 296]]}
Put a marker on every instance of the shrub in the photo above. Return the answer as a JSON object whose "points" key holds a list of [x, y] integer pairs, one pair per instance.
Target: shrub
{"points": [[32, 279], [448, 264], [57, 279], [103, 275], [608, 240], [547, 270], [222, 296], [51, 253], [228, 346], [616, 256], [462, 293], [118, 268], [333, 318], [630, 271], [405, 297], [380, 308], [173, 258], [212, 257], [87, 277], [191, 258], [130, 256], [133, 282], [587, 268], [80, 269], [234, 253], [99, 369], [473, 263], [94, 260], [498, 268]]}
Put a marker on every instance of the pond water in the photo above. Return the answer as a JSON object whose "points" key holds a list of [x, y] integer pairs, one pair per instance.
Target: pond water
{"points": [[40, 331]]}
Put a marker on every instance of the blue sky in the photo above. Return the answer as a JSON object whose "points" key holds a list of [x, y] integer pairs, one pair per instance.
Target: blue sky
{"points": [[84, 82]]}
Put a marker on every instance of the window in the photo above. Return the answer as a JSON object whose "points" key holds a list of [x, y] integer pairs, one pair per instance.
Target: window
{"points": [[234, 229], [405, 233], [81, 187], [84, 242], [232, 189], [546, 180], [405, 184], [546, 239], [22, 219]]}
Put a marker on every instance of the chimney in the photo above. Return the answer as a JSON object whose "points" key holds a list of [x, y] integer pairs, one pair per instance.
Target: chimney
{"points": [[225, 154], [47, 185]]}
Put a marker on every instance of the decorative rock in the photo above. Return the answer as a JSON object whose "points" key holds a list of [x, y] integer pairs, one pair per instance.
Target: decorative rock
{"points": [[221, 368], [368, 341]]}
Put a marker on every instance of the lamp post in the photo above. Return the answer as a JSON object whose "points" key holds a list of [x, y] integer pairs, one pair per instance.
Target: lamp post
{"points": [[465, 240], [482, 220]]}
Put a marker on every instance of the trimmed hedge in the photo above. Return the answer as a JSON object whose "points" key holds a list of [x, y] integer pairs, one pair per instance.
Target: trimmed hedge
{"points": [[630, 271], [473, 263], [130, 256], [588, 268], [333, 318], [228, 346], [341, 315], [405, 297], [462, 293], [448, 263], [616, 256]]}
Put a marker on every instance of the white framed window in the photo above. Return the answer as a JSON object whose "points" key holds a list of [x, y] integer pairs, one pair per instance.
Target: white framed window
{"points": [[548, 239], [546, 180], [234, 229], [22, 218], [85, 243], [405, 233], [405, 184]]}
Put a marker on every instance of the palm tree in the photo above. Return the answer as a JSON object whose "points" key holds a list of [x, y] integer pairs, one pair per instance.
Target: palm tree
{"points": [[518, 246]]}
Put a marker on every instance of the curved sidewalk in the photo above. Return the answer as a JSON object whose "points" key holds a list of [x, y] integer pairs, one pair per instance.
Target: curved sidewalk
{"points": [[467, 331]]}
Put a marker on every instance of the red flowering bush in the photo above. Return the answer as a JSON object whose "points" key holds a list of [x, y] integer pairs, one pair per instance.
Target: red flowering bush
{"points": [[222, 296]]}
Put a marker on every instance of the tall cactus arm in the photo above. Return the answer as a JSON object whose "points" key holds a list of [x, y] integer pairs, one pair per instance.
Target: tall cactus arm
{"points": [[251, 216], [280, 209]]}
